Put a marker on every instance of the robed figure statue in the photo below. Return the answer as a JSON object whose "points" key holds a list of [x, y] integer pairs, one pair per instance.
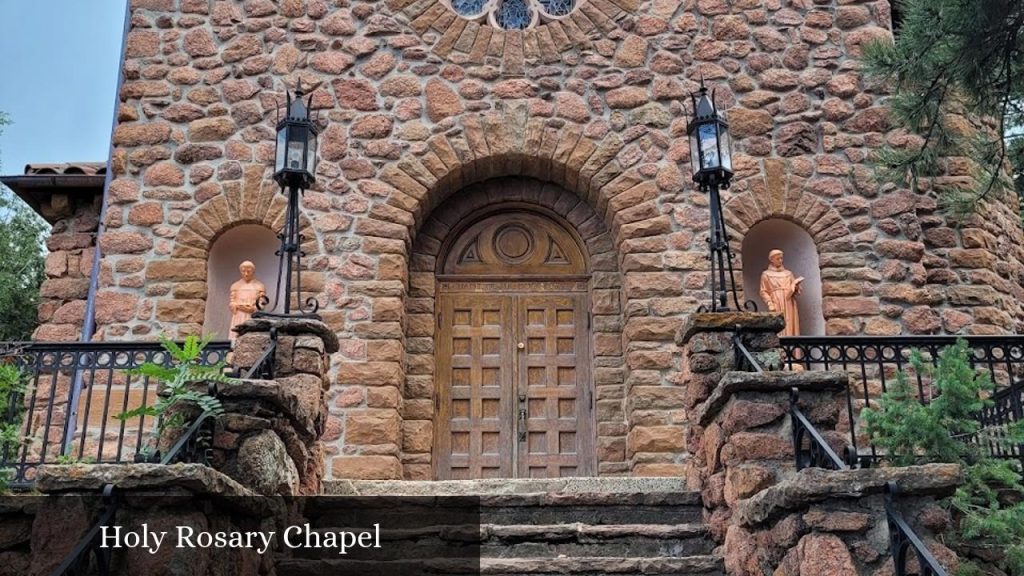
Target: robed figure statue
{"points": [[244, 294], [779, 289]]}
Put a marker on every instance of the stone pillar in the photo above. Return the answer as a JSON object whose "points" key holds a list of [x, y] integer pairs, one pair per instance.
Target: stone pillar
{"points": [[71, 246], [770, 518], [270, 436], [738, 430]]}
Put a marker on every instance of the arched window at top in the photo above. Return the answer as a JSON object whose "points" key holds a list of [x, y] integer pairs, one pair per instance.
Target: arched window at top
{"points": [[513, 14], [801, 257]]}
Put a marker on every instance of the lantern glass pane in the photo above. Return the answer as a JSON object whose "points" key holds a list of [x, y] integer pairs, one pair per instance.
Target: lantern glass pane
{"points": [[694, 153], [282, 145], [725, 142], [708, 135], [311, 158], [296, 150]]}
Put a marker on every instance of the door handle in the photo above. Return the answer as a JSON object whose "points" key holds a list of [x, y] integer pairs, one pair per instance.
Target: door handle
{"points": [[522, 418]]}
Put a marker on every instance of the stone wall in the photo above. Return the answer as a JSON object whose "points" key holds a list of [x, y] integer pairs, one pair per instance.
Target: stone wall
{"points": [[72, 247], [416, 104]]}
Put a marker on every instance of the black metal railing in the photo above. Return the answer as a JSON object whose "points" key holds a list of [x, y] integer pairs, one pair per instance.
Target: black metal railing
{"points": [[89, 556], [263, 369], [75, 393], [745, 360], [874, 362], [903, 541], [809, 446]]}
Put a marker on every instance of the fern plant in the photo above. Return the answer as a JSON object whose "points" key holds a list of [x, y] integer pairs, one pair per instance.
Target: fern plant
{"points": [[988, 506], [178, 396]]}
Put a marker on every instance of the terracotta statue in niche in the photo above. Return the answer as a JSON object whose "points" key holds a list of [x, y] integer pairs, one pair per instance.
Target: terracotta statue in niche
{"points": [[779, 289], [244, 294]]}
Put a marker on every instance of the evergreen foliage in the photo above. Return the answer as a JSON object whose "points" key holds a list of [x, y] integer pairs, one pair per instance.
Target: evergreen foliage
{"points": [[953, 64], [21, 267], [178, 385], [1016, 152], [988, 506], [12, 388]]}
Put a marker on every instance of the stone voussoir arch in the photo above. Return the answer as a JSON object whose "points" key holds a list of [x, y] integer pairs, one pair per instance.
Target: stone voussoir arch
{"points": [[605, 307], [253, 200], [500, 143], [774, 194]]}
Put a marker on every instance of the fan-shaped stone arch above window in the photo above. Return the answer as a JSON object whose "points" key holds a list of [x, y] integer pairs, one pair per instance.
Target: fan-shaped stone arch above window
{"points": [[513, 14], [514, 32]]}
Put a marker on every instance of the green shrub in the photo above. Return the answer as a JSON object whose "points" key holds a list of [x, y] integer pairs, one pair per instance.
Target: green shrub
{"points": [[12, 412], [987, 507]]}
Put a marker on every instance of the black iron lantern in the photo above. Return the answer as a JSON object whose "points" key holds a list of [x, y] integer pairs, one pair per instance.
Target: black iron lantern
{"points": [[294, 171], [711, 157], [295, 163], [710, 145]]}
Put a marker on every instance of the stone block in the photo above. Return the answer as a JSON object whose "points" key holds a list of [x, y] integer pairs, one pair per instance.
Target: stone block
{"points": [[265, 467], [655, 439], [367, 467], [370, 427]]}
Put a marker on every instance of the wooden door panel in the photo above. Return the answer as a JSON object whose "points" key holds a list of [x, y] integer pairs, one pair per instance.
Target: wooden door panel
{"points": [[513, 376], [475, 387], [552, 386]]}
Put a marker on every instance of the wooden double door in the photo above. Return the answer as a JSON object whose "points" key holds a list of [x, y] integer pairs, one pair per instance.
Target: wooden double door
{"points": [[514, 395]]}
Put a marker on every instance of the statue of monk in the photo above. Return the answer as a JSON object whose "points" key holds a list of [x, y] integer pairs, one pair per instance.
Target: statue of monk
{"points": [[244, 294], [779, 289]]}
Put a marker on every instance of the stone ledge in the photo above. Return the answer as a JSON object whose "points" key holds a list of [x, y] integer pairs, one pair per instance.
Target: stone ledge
{"points": [[816, 484], [292, 326], [297, 396], [195, 478], [775, 381], [728, 322], [508, 486]]}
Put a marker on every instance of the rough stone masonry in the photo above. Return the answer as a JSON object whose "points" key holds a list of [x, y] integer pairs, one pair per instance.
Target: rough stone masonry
{"points": [[418, 104]]}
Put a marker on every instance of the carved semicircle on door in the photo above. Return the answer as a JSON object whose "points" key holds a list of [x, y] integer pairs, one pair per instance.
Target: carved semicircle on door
{"points": [[516, 243]]}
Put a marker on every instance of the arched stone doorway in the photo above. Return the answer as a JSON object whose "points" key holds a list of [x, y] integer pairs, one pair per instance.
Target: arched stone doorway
{"points": [[515, 396]]}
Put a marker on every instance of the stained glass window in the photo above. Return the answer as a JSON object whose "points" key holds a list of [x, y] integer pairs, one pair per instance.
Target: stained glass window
{"points": [[469, 8], [512, 14]]}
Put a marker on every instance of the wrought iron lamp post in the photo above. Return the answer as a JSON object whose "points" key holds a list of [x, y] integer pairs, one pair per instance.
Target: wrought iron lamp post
{"points": [[711, 157], [294, 170]]}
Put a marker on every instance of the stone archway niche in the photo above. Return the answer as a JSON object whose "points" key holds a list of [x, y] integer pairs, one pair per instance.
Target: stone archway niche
{"points": [[801, 256], [246, 242]]}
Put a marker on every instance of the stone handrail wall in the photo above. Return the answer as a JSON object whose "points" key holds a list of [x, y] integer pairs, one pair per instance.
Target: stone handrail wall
{"points": [[769, 518]]}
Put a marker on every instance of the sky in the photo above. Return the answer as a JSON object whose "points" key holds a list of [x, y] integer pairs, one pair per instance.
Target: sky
{"points": [[58, 74]]}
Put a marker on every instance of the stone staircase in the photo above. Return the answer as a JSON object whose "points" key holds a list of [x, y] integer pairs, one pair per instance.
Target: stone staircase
{"points": [[580, 526]]}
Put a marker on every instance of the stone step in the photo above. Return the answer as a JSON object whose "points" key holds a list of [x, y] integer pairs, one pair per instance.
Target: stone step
{"points": [[708, 565], [534, 541], [526, 508], [487, 487]]}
